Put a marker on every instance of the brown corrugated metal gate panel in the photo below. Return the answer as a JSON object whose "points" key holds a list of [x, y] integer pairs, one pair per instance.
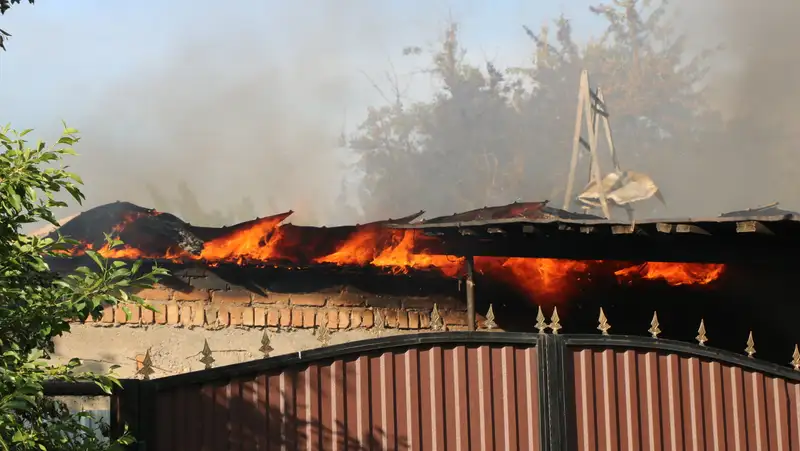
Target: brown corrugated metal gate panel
{"points": [[420, 398], [642, 399], [474, 391]]}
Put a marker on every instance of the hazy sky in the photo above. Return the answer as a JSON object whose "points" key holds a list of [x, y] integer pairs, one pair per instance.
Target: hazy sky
{"points": [[62, 53], [179, 90]]}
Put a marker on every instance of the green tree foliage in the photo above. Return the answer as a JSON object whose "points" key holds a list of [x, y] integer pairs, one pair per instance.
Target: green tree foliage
{"points": [[493, 136], [36, 303]]}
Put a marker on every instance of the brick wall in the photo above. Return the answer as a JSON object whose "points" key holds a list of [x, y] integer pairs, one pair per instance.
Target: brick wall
{"points": [[199, 299]]}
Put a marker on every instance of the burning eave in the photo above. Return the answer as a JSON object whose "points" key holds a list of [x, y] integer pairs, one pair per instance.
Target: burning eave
{"points": [[398, 262], [715, 240]]}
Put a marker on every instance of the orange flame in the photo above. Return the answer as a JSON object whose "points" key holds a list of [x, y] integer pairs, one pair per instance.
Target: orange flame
{"points": [[260, 242], [256, 242], [674, 273], [359, 249], [545, 277], [399, 257]]}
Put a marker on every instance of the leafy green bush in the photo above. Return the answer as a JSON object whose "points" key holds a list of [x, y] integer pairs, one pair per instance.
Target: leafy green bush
{"points": [[36, 304]]}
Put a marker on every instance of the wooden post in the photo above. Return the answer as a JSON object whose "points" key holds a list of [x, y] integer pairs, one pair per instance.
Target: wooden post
{"points": [[591, 109], [576, 141], [470, 293]]}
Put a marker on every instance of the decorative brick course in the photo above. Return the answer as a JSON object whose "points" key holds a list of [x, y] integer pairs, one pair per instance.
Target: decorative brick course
{"points": [[211, 308]]}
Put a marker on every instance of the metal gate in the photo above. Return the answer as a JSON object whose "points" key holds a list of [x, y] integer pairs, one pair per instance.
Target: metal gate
{"points": [[472, 391]]}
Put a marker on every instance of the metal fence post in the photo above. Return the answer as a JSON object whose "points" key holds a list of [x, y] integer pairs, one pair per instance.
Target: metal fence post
{"points": [[125, 409], [553, 393], [129, 409]]}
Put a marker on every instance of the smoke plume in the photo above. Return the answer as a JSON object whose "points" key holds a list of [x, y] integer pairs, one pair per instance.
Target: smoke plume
{"points": [[237, 111], [754, 84], [244, 110]]}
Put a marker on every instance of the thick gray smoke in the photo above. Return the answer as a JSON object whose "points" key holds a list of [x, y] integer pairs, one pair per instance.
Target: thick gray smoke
{"points": [[240, 110], [755, 83], [243, 110]]}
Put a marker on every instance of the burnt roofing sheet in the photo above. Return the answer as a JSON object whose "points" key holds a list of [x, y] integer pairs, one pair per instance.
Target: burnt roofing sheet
{"points": [[516, 210]]}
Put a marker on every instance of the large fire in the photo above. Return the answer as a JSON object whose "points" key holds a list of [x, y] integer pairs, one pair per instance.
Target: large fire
{"points": [[266, 241]]}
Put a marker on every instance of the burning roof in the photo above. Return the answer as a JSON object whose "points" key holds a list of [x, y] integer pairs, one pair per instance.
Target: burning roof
{"points": [[267, 241]]}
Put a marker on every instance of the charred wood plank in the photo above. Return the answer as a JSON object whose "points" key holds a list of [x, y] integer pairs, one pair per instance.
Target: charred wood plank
{"points": [[664, 227], [627, 230], [691, 228], [753, 227]]}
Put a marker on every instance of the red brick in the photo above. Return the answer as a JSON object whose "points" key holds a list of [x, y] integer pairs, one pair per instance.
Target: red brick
{"points": [[347, 299], [273, 318], [259, 316], [108, 314], [139, 361], [211, 314], [297, 318], [285, 316], [148, 316], [231, 297], [389, 317], [413, 320], [199, 316], [367, 319], [186, 314], [269, 298], [119, 315], [136, 315], [236, 312], [161, 314], [157, 293], [248, 318], [355, 317], [193, 295], [383, 302], [223, 317], [344, 319], [424, 320], [454, 318], [309, 317], [309, 299], [402, 319], [279, 298], [332, 319], [173, 314]]}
